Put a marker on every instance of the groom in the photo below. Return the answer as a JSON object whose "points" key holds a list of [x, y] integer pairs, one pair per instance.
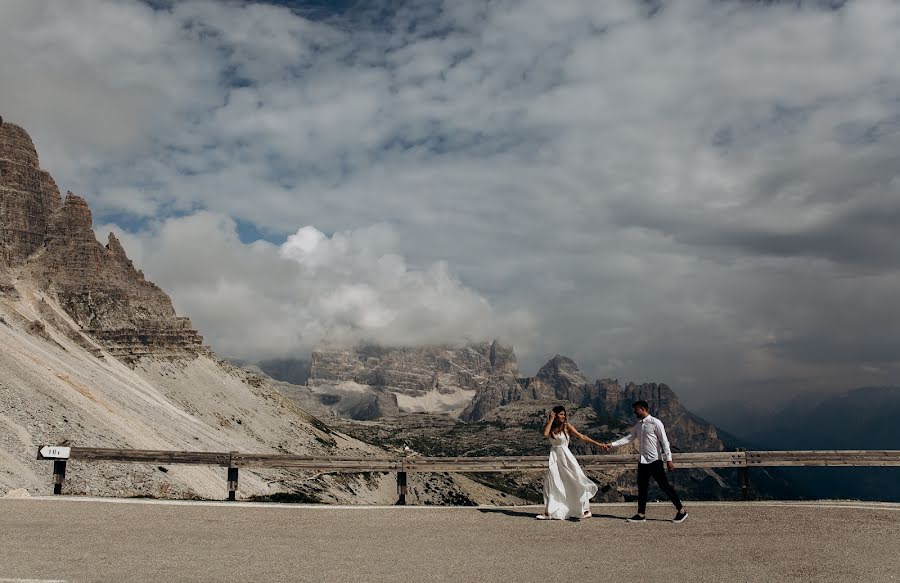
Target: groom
{"points": [[654, 448]]}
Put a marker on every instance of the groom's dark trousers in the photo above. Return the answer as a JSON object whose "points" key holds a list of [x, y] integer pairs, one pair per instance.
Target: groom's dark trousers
{"points": [[658, 471]]}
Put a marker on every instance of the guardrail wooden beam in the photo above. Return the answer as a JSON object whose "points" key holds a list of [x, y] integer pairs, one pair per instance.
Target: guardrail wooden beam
{"points": [[197, 458], [233, 461]]}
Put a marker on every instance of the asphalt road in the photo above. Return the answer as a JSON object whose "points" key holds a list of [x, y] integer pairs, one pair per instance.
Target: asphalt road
{"points": [[82, 540]]}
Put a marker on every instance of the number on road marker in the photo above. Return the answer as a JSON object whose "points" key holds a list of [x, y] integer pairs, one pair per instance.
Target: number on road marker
{"points": [[55, 452]]}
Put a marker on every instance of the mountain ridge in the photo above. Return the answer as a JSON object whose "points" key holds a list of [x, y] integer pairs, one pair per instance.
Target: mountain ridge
{"points": [[94, 354]]}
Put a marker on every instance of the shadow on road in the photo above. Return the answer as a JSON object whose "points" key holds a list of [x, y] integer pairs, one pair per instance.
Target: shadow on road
{"points": [[507, 512], [531, 515]]}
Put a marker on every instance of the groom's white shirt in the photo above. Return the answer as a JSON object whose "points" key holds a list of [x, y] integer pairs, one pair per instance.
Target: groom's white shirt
{"points": [[651, 435]]}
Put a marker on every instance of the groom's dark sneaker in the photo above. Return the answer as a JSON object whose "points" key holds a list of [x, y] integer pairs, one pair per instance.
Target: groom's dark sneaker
{"points": [[637, 518], [681, 516]]}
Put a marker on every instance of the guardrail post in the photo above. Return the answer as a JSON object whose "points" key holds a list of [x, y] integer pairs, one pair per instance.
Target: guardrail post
{"points": [[232, 478], [59, 476], [232, 483], [401, 488], [743, 474], [401, 478]]}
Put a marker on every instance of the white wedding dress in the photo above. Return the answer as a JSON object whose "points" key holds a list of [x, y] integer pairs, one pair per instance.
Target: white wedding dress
{"points": [[567, 491]]}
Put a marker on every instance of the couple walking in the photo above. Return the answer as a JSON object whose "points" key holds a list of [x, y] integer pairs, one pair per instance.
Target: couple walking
{"points": [[567, 491]]}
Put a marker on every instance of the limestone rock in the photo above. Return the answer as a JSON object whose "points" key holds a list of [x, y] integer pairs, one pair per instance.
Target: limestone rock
{"points": [[429, 378], [53, 318], [52, 244], [561, 380], [288, 370], [496, 393], [682, 426], [104, 294], [28, 196], [7, 287], [341, 401]]}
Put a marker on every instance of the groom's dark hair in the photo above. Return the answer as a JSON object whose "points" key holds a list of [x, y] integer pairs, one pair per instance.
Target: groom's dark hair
{"points": [[642, 404]]}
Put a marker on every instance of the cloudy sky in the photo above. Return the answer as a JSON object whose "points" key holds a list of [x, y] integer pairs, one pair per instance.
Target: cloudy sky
{"points": [[704, 193]]}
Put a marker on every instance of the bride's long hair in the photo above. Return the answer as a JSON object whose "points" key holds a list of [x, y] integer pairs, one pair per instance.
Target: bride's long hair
{"points": [[558, 425]]}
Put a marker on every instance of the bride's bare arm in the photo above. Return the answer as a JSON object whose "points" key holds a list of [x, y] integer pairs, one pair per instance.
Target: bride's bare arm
{"points": [[549, 424], [585, 438]]}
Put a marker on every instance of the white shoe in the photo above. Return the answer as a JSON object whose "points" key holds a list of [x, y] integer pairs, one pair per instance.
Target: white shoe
{"points": [[542, 517]]}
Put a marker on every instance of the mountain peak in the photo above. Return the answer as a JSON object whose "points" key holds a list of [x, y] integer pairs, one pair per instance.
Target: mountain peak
{"points": [[28, 196], [72, 220], [52, 242], [17, 146], [561, 372]]}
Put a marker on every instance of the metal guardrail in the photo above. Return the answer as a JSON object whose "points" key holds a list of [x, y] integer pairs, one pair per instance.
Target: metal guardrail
{"points": [[233, 461]]}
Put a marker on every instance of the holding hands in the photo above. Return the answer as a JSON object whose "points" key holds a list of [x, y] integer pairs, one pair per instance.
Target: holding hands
{"points": [[553, 416]]}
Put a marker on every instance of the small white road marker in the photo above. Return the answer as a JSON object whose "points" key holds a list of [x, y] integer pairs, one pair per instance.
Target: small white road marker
{"points": [[55, 452]]}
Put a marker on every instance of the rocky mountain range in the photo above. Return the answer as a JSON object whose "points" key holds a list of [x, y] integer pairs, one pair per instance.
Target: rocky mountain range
{"points": [[462, 401], [471, 382], [369, 382], [93, 354]]}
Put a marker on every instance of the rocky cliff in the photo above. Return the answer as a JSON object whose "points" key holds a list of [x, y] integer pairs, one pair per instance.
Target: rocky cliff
{"points": [[52, 245], [560, 379], [472, 383], [28, 197], [371, 381]]}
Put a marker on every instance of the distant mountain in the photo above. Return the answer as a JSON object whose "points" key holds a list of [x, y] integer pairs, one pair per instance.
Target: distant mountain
{"points": [[287, 370], [371, 381], [396, 396], [864, 418], [470, 382], [561, 379]]}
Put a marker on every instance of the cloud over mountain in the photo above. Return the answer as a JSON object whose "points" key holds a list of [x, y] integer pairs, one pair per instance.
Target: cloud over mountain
{"points": [[698, 192], [314, 289]]}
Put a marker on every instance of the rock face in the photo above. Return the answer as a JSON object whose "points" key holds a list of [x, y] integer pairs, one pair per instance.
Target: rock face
{"points": [[372, 381], [6, 282], [52, 245], [414, 371], [342, 400], [475, 381], [28, 197], [288, 370], [561, 380]]}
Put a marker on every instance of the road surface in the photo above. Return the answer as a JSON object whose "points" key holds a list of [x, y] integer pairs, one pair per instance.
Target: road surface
{"points": [[79, 540]]}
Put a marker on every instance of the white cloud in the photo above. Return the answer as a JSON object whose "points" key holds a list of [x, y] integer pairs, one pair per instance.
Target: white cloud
{"points": [[260, 300]]}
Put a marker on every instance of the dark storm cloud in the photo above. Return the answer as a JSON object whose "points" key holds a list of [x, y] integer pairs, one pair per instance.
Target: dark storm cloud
{"points": [[845, 209]]}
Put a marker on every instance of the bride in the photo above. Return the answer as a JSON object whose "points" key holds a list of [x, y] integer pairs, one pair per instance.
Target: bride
{"points": [[567, 491]]}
